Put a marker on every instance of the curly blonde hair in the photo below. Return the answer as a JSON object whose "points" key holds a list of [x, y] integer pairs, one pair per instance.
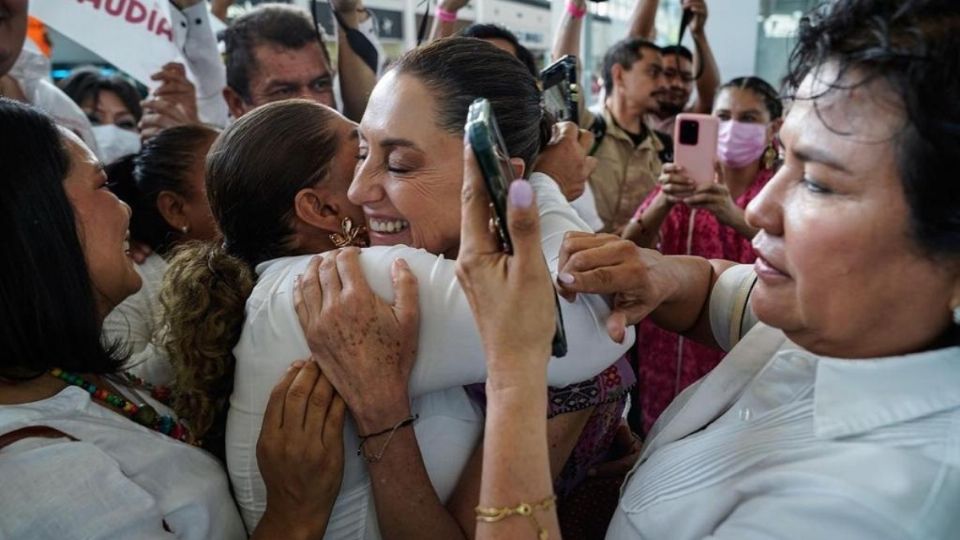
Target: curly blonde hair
{"points": [[203, 297]]}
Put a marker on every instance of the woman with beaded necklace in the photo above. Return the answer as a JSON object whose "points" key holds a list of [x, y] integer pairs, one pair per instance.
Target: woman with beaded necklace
{"points": [[83, 452]]}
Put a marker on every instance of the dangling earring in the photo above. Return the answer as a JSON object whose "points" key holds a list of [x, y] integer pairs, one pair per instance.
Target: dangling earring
{"points": [[769, 157], [185, 229], [349, 235]]}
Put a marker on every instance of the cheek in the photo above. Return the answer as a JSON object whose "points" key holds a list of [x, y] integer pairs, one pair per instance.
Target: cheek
{"points": [[432, 207]]}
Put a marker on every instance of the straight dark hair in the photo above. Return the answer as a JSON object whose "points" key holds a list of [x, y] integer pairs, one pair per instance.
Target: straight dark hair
{"points": [[47, 305], [87, 83], [624, 53]]}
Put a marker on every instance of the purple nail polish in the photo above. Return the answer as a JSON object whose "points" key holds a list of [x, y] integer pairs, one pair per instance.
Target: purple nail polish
{"points": [[521, 194], [565, 278]]}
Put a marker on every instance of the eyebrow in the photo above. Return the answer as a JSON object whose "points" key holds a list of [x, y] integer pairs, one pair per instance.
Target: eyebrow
{"points": [[399, 142], [817, 155]]}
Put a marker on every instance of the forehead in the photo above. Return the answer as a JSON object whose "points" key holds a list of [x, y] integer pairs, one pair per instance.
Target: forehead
{"points": [[734, 99], [648, 56], [398, 106], [277, 63], [83, 163], [675, 61]]}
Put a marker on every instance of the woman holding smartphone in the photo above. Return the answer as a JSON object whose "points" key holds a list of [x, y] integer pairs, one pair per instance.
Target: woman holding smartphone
{"points": [[681, 218]]}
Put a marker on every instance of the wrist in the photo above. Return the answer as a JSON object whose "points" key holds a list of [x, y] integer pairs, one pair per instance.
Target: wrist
{"points": [[383, 416], [299, 526], [576, 9], [349, 18], [445, 15]]}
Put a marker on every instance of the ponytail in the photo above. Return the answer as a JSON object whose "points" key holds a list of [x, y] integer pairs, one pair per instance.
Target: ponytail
{"points": [[203, 298]]}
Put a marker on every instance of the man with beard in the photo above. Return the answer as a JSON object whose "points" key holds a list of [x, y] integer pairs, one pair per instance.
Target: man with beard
{"points": [[627, 149], [680, 67]]}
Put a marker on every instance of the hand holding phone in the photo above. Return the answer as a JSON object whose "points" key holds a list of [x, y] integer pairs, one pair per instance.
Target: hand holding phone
{"points": [[695, 146], [560, 89], [494, 160]]}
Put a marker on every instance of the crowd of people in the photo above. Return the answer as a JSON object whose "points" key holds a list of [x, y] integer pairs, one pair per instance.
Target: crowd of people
{"points": [[270, 299]]}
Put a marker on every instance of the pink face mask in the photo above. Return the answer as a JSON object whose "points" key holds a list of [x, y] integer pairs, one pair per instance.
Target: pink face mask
{"points": [[739, 143]]}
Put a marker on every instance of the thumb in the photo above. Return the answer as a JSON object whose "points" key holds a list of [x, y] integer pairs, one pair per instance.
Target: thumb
{"points": [[406, 293], [617, 326], [523, 221]]}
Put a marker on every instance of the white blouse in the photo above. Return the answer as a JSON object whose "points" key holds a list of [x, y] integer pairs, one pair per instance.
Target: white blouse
{"points": [[134, 323], [118, 480], [449, 356], [777, 442]]}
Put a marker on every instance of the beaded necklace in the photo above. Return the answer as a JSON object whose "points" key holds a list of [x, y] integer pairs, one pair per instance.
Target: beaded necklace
{"points": [[143, 414]]}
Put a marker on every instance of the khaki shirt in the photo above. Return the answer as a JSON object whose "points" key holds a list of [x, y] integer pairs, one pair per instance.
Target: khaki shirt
{"points": [[625, 173]]}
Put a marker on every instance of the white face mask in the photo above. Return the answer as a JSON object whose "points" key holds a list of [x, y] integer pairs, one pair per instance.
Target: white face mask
{"points": [[115, 142]]}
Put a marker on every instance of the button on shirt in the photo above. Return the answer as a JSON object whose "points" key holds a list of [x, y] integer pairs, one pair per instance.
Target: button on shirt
{"points": [[625, 173], [811, 447]]}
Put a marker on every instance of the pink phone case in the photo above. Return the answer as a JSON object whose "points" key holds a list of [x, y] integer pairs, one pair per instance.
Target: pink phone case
{"points": [[699, 157]]}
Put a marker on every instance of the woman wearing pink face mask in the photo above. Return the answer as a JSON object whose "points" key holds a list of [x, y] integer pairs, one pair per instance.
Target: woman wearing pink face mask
{"points": [[677, 218]]}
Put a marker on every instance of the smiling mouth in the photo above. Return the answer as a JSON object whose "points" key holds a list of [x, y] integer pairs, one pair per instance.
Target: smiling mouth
{"points": [[387, 226]]}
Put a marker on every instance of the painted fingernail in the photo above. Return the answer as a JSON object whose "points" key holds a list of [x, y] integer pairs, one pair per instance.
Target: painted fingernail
{"points": [[521, 194], [566, 278]]}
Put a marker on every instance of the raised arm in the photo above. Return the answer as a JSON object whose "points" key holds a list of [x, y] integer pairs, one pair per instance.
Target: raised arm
{"points": [[445, 19], [642, 19], [567, 40], [709, 79], [357, 77]]}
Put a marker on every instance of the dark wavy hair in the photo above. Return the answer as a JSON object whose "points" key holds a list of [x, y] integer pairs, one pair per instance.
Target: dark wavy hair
{"points": [[47, 301], [763, 90], [913, 46], [495, 31], [87, 83]]}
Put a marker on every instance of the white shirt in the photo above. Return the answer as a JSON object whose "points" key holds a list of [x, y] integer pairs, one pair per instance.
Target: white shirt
{"points": [[777, 442], [586, 207], [119, 480], [449, 356], [134, 323]]}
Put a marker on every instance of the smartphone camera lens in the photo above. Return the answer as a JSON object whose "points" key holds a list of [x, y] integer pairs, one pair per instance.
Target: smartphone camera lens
{"points": [[689, 132]]}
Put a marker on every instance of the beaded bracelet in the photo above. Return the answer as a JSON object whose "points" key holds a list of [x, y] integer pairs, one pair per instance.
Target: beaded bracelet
{"points": [[576, 12], [493, 515], [392, 431], [446, 16]]}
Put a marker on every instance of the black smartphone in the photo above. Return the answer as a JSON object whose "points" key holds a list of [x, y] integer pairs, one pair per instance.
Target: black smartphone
{"points": [[494, 160], [560, 89]]}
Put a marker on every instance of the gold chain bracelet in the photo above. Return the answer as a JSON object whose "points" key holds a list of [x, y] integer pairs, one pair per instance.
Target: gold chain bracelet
{"points": [[493, 515]]}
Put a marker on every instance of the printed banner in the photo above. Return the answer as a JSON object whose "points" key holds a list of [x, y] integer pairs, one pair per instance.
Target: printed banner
{"points": [[136, 36]]}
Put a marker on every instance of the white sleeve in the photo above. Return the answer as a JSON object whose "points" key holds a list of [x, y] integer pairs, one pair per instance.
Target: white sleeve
{"points": [[74, 490], [203, 61], [450, 352], [586, 207]]}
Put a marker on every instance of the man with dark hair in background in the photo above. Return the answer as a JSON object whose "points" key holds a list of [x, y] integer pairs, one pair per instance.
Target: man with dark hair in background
{"points": [[627, 150], [275, 52], [680, 67]]}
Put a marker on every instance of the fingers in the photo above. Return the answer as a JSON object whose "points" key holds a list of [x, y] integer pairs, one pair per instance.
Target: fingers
{"points": [[273, 416], [333, 427], [565, 130], [329, 276], [586, 139], [406, 294], [307, 293], [523, 223], [351, 273], [617, 326], [318, 406], [475, 235], [298, 395]]}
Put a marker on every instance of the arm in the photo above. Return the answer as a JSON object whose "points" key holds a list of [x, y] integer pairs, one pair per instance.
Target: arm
{"points": [[709, 80], [442, 29], [672, 186], [357, 79], [716, 199], [674, 291], [516, 326], [642, 19], [219, 9]]}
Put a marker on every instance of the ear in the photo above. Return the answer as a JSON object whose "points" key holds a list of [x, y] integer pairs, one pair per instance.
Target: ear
{"points": [[235, 103], [317, 210], [616, 73], [519, 167], [171, 207]]}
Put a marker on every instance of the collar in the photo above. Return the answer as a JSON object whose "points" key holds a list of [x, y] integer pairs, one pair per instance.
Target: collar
{"points": [[852, 397], [651, 141]]}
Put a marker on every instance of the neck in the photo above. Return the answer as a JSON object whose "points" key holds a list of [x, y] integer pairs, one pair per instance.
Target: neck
{"points": [[628, 115], [739, 179], [10, 89]]}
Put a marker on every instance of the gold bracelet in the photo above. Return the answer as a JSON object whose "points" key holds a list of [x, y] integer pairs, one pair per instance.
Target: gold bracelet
{"points": [[493, 515]]}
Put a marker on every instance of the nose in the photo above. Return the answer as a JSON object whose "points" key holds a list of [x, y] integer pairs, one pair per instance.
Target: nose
{"points": [[366, 188], [765, 211]]}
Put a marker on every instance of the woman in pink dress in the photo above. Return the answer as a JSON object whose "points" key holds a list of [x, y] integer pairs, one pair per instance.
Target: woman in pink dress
{"points": [[679, 219]]}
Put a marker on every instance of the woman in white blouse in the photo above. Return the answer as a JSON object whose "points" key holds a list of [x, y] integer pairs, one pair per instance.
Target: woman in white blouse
{"points": [[85, 453], [277, 182], [836, 415]]}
